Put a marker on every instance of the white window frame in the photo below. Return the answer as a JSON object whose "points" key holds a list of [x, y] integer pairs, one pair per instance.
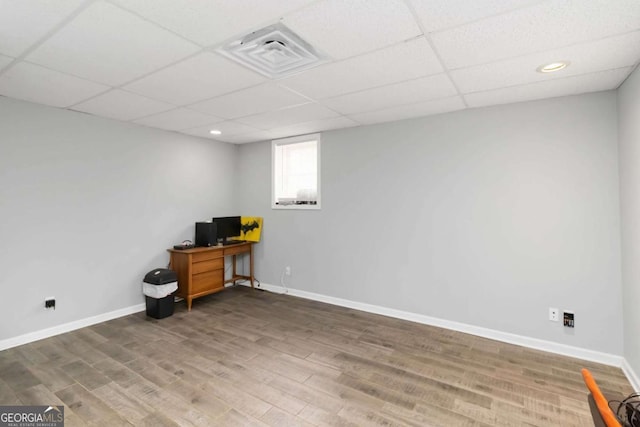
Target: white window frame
{"points": [[294, 140]]}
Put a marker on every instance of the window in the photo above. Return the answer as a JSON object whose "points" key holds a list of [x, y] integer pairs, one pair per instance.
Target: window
{"points": [[295, 164]]}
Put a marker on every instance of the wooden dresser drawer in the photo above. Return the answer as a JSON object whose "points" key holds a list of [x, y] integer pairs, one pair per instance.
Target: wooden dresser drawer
{"points": [[205, 255], [207, 265], [207, 281], [236, 249]]}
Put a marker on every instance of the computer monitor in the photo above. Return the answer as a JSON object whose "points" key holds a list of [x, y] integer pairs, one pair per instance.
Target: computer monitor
{"points": [[227, 227], [206, 234]]}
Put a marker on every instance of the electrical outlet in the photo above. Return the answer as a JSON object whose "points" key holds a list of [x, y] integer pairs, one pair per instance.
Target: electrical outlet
{"points": [[50, 302], [287, 271], [554, 314]]}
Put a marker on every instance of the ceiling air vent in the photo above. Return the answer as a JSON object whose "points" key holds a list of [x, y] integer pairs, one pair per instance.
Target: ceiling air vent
{"points": [[274, 51]]}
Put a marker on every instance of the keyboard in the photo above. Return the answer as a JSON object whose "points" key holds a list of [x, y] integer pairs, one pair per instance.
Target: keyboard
{"points": [[233, 242]]}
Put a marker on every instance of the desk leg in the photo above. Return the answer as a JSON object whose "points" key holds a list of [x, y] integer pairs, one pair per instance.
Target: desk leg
{"points": [[234, 270], [251, 265], [189, 300]]}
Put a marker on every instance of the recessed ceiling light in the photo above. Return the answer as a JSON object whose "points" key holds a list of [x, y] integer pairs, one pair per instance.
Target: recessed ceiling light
{"points": [[215, 132], [552, 67]]}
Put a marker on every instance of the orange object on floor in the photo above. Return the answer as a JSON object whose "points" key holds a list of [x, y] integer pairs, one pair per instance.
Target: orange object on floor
{"points": [[606, 413]]}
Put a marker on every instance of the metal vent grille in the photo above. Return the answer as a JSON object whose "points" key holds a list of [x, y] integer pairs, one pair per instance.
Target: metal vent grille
{"points": [[274, 51]]}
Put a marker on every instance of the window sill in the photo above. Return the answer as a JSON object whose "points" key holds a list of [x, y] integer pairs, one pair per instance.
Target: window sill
{"points": [[297, 207]]}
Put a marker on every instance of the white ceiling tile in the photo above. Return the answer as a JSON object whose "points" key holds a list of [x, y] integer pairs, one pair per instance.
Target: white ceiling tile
{"points": [[440, 14], [313, 126], [601, 55], [288, 116], [346, 28], [38, 84], [203, 76], [585, 83], [178, 119], [246, 137], [154, 49], [544, 26], [408, 111], [407, 92], [109, 45], [257, 99], [4, 61], [404, 61], [213, 21], [22, 23], [227, 128], [120, 105]]}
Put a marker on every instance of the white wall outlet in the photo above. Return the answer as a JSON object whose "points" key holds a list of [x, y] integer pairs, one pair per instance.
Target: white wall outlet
{"points": [[287, 271], [554, 314]]}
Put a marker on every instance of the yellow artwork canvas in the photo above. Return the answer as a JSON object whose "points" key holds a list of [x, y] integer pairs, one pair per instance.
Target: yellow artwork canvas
{"points": [[250, 228]]}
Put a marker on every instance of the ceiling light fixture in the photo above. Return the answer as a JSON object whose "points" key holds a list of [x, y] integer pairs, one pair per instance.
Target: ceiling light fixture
{"points": [[553, 67], [215, 132]]}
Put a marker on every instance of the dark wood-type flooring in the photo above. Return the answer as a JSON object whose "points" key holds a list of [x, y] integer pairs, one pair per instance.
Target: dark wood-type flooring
{"points": [[243, 358]]}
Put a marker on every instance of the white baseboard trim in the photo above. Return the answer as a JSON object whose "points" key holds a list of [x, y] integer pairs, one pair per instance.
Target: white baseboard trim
{"points": [[632, 376], [534, 343], [68, 327]]}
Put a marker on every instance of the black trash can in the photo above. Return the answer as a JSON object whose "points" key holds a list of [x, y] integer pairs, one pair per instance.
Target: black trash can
{"points": [[158, 288]]}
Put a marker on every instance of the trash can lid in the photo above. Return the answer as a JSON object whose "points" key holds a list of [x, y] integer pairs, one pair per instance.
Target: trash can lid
{"points": [[160, 276]]}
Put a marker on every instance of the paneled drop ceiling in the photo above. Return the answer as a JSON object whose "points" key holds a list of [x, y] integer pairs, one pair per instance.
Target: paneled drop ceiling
{"points": [[155, 62]]}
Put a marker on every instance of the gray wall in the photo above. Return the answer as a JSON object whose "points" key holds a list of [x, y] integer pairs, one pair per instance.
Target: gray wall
{"points": [[629, 134], [486, 217], [88, 205]]}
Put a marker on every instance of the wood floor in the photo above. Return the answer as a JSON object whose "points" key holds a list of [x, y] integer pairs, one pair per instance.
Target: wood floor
{"points": [[244, 358]]}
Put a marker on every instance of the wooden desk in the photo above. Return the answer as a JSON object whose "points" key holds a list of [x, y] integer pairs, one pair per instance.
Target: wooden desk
{"points": [[201, 270]]}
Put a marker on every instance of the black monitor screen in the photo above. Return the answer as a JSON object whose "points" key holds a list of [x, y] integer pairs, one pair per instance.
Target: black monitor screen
{"points": [[206, 234], [227, 227]]}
